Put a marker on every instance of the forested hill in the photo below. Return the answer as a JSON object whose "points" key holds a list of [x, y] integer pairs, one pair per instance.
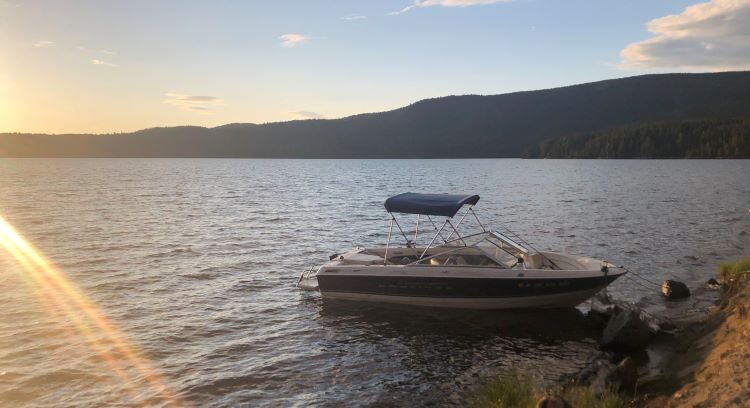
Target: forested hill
{"points": [[455, 126], [705, 139]]}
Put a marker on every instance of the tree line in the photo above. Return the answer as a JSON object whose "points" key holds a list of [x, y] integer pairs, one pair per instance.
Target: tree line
{"points": [[696, 139]]}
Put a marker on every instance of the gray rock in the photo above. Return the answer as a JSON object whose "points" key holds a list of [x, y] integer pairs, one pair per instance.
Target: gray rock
{"points": [[626, 331], [587, 375], [596, 319], [667, 327], [623, 376], [713, 284]]}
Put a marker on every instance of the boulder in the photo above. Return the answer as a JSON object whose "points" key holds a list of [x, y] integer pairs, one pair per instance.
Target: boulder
{"points": [[550, 401], [672, 289], [622, 376], [626, 331], [713, 284], [596, 319], [667, 327]]}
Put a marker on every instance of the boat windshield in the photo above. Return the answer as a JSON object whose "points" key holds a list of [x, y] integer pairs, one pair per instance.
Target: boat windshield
{"points": [[504, 248]]}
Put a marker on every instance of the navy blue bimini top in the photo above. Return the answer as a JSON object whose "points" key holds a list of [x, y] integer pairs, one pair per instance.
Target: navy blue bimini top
{"points": [[445, 205]]}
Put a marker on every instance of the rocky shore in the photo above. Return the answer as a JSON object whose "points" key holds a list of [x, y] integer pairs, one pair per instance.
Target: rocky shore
{"points": [[710, 366], [702, 363], [652, 361]]}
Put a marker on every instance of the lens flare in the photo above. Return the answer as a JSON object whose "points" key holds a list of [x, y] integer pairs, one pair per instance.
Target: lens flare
{"points": [[61, 296]]}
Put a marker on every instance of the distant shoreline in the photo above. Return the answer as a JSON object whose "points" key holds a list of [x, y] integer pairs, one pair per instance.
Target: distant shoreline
{"points": [[649, 116]]}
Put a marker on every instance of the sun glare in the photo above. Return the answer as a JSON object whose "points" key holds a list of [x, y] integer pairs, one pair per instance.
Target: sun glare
{"points": [[60, 296]]}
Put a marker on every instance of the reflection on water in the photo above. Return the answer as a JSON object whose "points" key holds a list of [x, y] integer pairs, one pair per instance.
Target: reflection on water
{"points": [[419, 346], [196, 262], [392, 320]]}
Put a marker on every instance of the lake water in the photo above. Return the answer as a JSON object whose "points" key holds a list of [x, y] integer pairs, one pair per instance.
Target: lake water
{"points": [[185, 273]]}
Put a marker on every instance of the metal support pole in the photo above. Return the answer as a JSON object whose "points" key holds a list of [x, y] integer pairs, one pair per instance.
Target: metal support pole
{"points": [[456, 231], [388, 243], [416, 232], [399, 228], [435, 226], [433, 240], [477, 218], [459, 223]]}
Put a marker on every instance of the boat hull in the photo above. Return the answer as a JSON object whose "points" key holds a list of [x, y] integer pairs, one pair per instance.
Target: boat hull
{"points": [[473, 293]]}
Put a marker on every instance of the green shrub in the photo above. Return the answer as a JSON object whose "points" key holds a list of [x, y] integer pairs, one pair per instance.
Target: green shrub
{"points": [[584, 397], [509, 391], [734, 270], [519, 391]]}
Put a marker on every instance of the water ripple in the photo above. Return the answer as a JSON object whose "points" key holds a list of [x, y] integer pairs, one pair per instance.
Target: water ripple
{"points": [[197, 259]]}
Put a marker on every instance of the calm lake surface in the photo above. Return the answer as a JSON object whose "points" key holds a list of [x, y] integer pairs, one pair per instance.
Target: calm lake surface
{"points": [[194, 263]]}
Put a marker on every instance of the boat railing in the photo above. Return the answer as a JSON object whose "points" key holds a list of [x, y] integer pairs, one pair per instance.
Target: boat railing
{"points": [[305, 274], [466, 237], [435, 255], [507, 240]]}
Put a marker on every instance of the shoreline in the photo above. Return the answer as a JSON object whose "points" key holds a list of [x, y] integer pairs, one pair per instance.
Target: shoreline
{"points": [[710, 363], [700, 362]]}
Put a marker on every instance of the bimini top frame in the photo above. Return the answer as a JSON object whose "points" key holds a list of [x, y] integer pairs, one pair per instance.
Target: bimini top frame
{"points": [[445, 205]]}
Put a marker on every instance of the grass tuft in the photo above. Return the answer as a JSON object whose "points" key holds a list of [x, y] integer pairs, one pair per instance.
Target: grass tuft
{"points": [[510, 391], [519, 391], [732, 271], [584, 397]]}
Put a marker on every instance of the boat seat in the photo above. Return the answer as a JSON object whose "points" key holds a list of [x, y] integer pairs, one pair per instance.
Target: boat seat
{"points": [[456, 260], [362, 259], [533, 260]]}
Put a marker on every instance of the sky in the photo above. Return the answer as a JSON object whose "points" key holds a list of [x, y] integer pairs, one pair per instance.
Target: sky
{"points": [[118, 66]]}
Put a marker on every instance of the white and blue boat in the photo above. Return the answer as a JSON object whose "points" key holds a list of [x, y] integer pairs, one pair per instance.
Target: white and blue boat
{"points": [[487, 269]]}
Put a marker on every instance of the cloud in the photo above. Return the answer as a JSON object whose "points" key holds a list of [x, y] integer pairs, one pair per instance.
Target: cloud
{"points": [[308, 115], [102, 63], [197, 108], [194, 103], [712, 36], [293, 40], [402, 11], [446, 3], [44, 44], [456, 3], [353, 17], [92, 52]]}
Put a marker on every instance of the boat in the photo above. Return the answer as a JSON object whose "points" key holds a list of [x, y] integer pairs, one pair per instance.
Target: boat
{"points": [[485, 269]]}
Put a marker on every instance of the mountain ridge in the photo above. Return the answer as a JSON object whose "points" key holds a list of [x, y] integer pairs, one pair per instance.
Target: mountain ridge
{"points": [[461, 126]]}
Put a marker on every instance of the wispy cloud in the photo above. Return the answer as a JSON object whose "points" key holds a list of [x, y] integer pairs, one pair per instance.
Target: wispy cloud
{"points": [[307, 115], [446, 3], [44, 44], [194, 103], [196, 108], [353, 17], [402, 11], [95, 51], [292, 40], [102, 63], [712, 36]]}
